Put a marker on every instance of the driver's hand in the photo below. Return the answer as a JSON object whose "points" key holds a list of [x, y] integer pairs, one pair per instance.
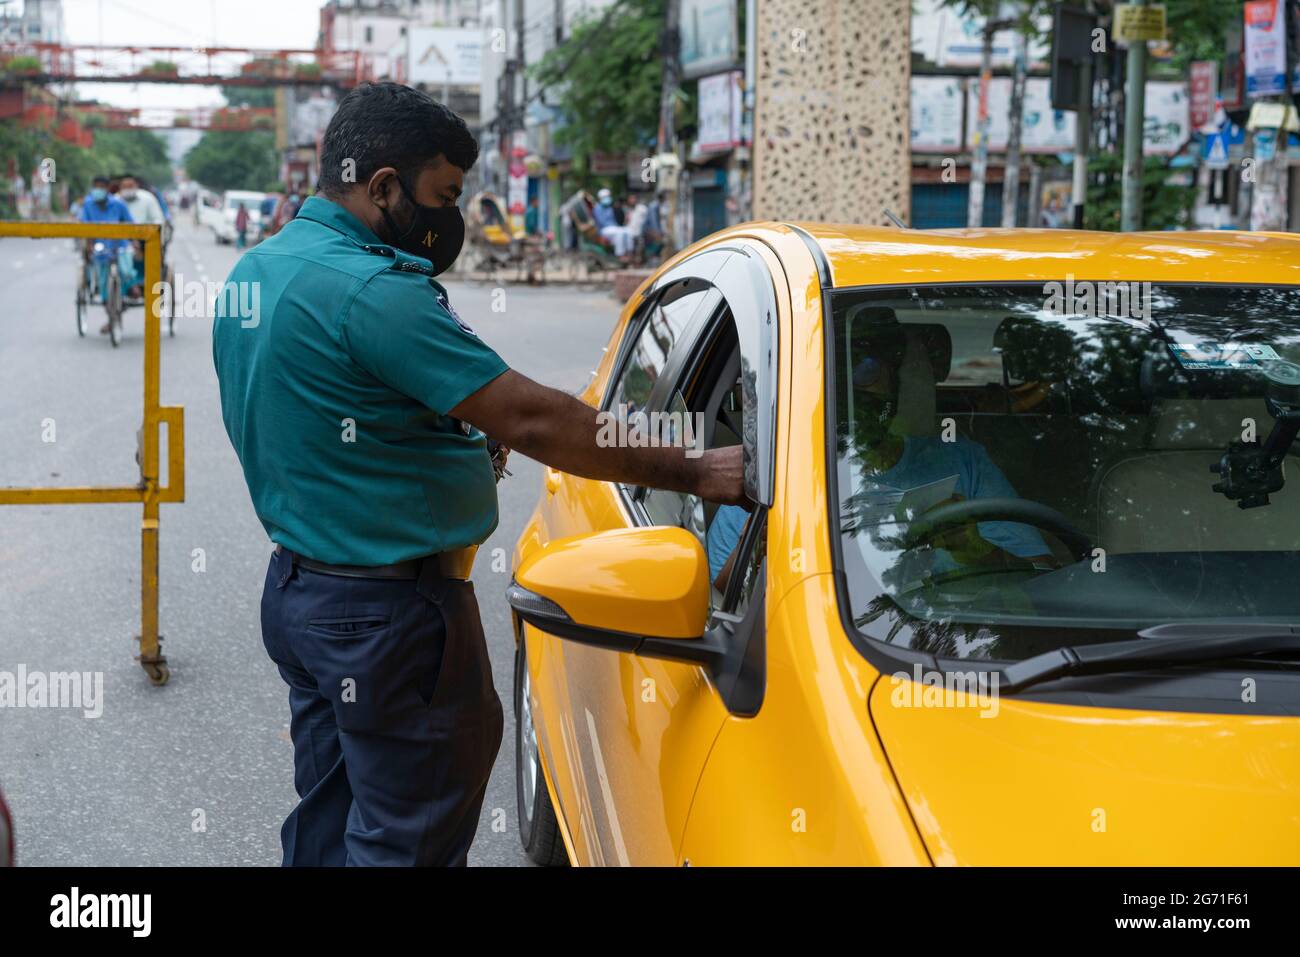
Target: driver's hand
{"points": [[963, 542]]}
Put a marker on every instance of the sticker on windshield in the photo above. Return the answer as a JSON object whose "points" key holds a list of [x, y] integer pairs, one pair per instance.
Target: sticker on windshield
{"points": [[1201, 356]]}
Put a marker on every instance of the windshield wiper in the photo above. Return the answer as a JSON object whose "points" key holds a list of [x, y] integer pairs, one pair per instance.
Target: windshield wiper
{"points": [[1175, 643]]}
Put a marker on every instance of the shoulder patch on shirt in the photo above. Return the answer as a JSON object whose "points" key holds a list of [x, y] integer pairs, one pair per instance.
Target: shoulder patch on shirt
{"points": [[446, 304]]}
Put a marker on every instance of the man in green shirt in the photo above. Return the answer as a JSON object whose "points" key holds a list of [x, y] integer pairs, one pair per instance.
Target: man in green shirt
{"points": [[359, 403]]}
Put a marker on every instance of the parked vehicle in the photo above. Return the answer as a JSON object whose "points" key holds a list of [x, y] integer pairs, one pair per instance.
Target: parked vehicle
{"points": [[1016, 580], [223, 224]]}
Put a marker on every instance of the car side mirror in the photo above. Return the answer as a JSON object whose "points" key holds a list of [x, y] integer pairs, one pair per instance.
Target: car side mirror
{"points": [[639, 590]]}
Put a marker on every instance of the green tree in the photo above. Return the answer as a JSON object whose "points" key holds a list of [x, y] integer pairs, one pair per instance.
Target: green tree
{"points": [[606, 79], [233, 160], [1165, 205], [259, 96], [114, 151]]}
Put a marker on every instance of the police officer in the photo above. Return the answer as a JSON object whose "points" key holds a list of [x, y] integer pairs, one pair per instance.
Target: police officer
{"points": [[359, 405]]}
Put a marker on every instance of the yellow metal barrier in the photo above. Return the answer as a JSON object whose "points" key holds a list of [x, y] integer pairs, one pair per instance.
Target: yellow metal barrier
{"points": [[148, 492]]}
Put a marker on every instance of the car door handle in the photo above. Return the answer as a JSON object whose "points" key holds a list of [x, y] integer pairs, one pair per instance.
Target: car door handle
{"points": [[553, 480]]}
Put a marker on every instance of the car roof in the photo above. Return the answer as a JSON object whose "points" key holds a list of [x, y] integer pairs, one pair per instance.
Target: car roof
{"points": [[879, 255]]}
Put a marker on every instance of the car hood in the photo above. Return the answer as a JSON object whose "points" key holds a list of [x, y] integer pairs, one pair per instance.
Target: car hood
{"points": [[1012, 781]]}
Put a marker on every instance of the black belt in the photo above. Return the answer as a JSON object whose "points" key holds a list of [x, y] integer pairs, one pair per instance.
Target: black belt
{"points": [[455, 564]]}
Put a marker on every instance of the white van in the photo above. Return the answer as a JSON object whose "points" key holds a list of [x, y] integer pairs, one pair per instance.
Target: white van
{"points": [[223, 225]]}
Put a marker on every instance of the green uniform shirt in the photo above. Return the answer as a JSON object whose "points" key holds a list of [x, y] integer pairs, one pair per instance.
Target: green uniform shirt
{"points": [[339, 359]]}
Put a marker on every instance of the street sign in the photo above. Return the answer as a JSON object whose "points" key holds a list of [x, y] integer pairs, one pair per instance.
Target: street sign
{"points": [[1214, 149], [1138, 24]]}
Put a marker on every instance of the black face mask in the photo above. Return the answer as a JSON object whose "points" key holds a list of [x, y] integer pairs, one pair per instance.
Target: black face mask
{"points": [[436, 233]]}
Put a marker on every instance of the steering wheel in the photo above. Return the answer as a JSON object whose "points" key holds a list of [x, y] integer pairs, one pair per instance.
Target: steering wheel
{"points": [[1021, 510]]}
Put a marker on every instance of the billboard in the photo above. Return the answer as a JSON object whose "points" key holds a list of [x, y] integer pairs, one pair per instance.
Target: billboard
{"points": [[946, 37], [439, 55], [1265, 48], [709, 40], [720, 99], [936, 114], [1045, 130]]}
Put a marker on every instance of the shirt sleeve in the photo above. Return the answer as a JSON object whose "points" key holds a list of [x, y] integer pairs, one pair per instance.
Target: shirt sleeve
{"points": [[400, 332], [724, 533], [987, 481]]}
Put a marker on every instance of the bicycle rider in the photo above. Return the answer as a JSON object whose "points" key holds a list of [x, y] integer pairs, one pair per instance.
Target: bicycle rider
{"points": [[101, 207]]}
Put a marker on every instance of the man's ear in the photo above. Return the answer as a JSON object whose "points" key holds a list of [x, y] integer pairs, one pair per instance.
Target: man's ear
{"points": [[382, 187]]}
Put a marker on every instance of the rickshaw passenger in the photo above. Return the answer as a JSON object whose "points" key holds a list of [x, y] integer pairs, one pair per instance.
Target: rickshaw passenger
{"points": [[144, 208], [100, 207]]}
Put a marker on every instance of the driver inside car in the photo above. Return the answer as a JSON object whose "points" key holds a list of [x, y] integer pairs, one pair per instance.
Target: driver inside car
{"points": [[895, 461]]}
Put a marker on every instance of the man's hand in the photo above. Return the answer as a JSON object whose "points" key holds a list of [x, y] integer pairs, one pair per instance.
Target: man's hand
{"points": [[558, 430], [724, 476]]}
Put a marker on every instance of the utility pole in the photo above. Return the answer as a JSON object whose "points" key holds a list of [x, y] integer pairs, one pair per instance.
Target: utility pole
{"points": [[1011, 170], [515, 127], [1082, 143], [1134, 124], [980, 164], [668, 117]]}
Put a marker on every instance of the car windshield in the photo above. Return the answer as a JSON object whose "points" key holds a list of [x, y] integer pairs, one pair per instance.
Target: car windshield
{"points": [[1022, 467]]}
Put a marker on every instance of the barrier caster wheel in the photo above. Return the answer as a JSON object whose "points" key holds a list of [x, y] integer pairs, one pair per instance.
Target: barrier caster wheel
{"points": [[158, 672]]}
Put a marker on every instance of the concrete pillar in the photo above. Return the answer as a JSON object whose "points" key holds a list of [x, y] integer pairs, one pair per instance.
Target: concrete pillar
{"points": [[831, 114]]}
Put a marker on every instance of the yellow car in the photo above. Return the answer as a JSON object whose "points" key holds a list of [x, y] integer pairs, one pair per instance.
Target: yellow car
{"points": [[1018, 584]]}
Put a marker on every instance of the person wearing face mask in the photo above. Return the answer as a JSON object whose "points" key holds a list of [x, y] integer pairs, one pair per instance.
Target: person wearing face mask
{"points": [[144, 208], [894, 461], [100, 206], [359, 404]]}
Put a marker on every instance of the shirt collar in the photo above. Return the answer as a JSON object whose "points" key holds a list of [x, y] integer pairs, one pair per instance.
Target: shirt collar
{"points": [[331, 214]]}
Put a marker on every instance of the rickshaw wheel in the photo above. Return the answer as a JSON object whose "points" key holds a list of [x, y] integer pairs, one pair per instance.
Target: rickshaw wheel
{"points": [[82, 301], [169, 277], [113, 305]]}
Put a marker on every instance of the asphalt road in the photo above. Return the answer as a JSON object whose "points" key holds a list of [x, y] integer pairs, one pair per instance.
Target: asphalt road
{"points": [[198, 772]]}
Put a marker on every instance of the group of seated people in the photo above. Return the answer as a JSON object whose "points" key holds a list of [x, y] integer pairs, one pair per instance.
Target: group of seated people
{"points": [[622, 227]]}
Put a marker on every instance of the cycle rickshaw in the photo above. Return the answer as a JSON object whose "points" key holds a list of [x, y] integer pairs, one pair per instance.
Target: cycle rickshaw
{"points": [[99, 258]]}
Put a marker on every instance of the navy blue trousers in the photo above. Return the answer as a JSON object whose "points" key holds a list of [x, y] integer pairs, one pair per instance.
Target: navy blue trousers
{"points": [[395, 719]]}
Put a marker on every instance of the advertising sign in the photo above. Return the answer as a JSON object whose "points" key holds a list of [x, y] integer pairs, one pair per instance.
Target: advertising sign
{"points": [[1265, 48], [720, 99], [945, 36], [936, 114], [1043, 130], [1168, 117], [440, 55], [1203, 89], [709, 40]]}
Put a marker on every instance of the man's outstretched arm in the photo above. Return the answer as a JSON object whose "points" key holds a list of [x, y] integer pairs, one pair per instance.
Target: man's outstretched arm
{"points": [[558, 430]]}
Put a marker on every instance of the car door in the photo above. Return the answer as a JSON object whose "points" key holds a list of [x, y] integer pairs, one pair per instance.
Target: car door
{"points": [[636, 731]]}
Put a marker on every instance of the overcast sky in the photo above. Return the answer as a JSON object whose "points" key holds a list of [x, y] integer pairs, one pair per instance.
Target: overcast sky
{"points": [[233, 23]]}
